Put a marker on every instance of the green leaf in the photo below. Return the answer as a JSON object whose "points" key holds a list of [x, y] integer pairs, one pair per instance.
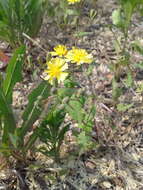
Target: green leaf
{"points": [[90, 69], [117, 18], [128, 10], [83, 139], [9, 121], [50, 10], [30, 142], [51, 134], [62, 134], [124, 107], [20, 16], [117, 44], [116, 90], [129, 80], [128, 7], [13, 73], [55, 118], [71, 12], [35, 11], [138, 47], [14, 139], [44, 134], [75, 108], [139, 65], [49, 130], [89, 117], [92, 13], [63, 92], [34, 107], [63, 5], [70, 84]]}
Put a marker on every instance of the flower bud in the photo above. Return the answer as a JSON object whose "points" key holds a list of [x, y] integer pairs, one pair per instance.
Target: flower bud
{"points": [[65, 100], [62, 106], [39, 98]]}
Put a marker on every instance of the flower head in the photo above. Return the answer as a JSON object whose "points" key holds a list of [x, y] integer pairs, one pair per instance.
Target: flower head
{"points": [[55, 70], [73, 1], [79, 56], [59, 50]]}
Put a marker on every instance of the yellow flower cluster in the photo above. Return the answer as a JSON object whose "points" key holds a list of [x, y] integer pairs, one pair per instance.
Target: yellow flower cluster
{"points": [[58, 65], [73, 1], [56, 70], [59, 50], [79, 56]]}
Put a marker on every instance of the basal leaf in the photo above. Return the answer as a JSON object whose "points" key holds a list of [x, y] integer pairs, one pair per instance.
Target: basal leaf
{"points": [[8, 118], [75, 108], [34, 107], [13, 72]]}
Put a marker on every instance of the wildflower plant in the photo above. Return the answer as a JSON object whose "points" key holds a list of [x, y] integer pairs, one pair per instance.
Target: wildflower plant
{"points": [[65, 12], [47, 105], [121, 19], [18, 17], [13, 140], [51, 132], [73, 101]]}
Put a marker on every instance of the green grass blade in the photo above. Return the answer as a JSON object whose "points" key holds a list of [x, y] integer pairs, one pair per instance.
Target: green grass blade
{"points": [[7, 115], [13, 72], [34, 108]]}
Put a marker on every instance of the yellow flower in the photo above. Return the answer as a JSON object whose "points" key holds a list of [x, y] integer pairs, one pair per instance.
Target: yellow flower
{"points": [[55, 70], [59, 50], [79, 56], [73, 1]]}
